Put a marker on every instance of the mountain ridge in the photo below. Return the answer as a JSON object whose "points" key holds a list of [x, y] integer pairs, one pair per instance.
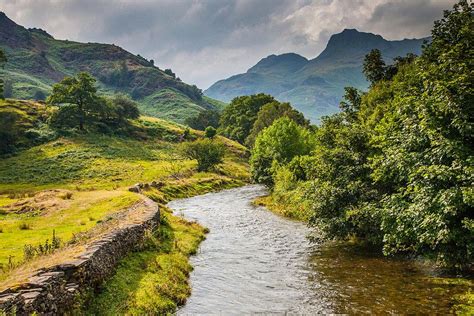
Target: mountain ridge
{"points": [[36, 60], [316, 86]]}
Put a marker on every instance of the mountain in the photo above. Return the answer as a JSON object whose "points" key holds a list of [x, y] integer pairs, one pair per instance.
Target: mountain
{"points": [[314, 86], [36, 61]]}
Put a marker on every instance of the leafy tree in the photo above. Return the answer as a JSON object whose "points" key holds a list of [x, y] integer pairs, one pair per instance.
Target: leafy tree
{"points": [[238, 117], [426, 148], [170, 72], [124, 107], [278, 144], [207, 152], [204, 119], [351, 102], [395, 168], [3, 61], [374, 66], [77, 96], [268, 114], [210, 132]]}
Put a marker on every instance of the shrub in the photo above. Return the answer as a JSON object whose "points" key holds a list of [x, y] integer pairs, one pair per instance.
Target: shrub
{"points": [[208, 153], [278, 144], [210, 132]]}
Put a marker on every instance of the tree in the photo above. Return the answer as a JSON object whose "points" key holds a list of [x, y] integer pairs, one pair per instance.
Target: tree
{"points": [[207, 152], [351, 102], [238, 117], [374, 66], [204, 119], [3, 61], [278, 144], [210, 132], [271, 112], [79, 95], [124, 107], [170, 72]]}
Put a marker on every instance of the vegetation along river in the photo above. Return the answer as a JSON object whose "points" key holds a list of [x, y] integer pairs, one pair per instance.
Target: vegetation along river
{"points": [[254, 261]]}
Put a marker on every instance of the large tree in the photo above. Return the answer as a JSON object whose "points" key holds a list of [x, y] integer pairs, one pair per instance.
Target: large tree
{"points": [[239, 116], [374, 66], [271, 112], [278, 144], [79, 95]]}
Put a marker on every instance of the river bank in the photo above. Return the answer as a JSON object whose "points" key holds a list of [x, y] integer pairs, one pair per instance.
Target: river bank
{"points": [[255, 261]]}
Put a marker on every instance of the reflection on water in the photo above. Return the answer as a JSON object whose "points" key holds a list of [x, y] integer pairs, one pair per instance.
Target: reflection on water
{"points": [[254, 261]]}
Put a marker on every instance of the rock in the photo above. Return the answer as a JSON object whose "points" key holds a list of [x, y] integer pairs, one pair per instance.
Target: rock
{"points": [[135, 189]]}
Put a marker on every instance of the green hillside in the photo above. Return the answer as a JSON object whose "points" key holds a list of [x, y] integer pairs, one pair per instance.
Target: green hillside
{"points": [[74, 186], [36, 61], [315, 86]]}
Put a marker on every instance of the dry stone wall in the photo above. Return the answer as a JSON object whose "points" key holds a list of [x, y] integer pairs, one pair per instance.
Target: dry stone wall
{"points": [[56, 290]]}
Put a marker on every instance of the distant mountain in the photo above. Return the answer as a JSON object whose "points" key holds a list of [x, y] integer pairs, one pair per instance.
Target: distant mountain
{"points": [[314, 86], [36, 61]]}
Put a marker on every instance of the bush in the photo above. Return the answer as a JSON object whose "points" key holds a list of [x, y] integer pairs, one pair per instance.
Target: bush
{"points": [[210, 132], [208, 153], [278, 144]]}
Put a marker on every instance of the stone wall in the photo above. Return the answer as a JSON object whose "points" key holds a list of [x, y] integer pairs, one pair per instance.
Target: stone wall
{"points": [[56, 290]]}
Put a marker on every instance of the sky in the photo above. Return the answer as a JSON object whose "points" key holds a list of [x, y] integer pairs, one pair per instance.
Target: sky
{"points": [[205, 41]]}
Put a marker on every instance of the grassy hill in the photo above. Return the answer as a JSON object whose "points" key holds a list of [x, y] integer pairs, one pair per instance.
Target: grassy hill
{"points": [[315, 86], [36, 61], [75, 185]]}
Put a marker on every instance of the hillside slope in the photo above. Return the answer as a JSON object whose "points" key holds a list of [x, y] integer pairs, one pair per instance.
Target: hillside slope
{"points": [[314, 86], [36, 61]]}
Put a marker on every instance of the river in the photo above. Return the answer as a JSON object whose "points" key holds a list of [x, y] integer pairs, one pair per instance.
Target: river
{"points": [[254, 261]]}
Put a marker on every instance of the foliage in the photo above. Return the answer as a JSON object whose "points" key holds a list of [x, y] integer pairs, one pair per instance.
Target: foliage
{"points": [[36, 60], [204, 119], [278, 144], [395, 167], [124, 107], [238, 117], [208, 153], [374, 66], [78, 98], [210, 132], [79, 104], [268, 114]]}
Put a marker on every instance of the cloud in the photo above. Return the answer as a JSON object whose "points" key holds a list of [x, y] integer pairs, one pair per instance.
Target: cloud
{"points": [[204, 41]]}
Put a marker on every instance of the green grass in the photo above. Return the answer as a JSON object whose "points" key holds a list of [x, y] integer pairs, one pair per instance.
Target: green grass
{"points": [[36, 61], [170, 104], [33, 228], [89, 175], [153, 281]]}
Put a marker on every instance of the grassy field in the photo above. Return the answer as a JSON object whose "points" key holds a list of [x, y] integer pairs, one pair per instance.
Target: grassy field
{"points": [[72, 184]]}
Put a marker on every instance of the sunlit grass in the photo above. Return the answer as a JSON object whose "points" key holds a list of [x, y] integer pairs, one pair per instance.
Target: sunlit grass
{"points": [[153, 281], [79, 214]]}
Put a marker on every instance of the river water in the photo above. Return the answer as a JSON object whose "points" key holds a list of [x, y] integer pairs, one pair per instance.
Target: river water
{"points": [[256, 262]]}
